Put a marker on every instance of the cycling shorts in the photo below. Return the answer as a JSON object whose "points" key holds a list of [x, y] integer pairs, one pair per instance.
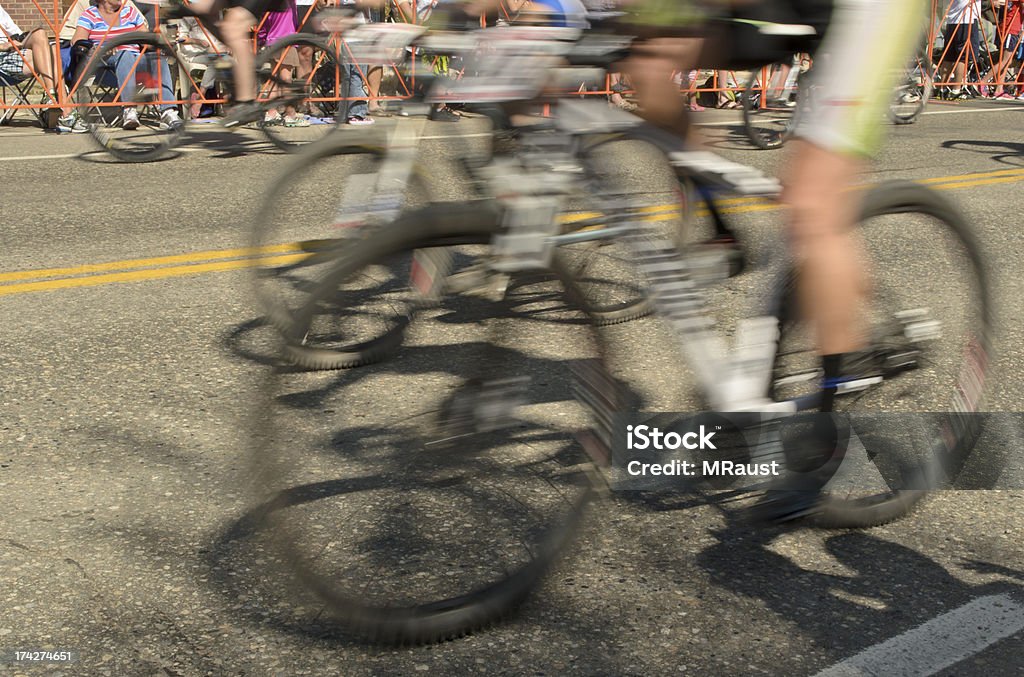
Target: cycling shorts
{"points": [[867, 45]]}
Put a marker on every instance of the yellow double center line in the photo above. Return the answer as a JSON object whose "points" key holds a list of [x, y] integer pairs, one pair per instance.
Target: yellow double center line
{"points": [[222, 260]]}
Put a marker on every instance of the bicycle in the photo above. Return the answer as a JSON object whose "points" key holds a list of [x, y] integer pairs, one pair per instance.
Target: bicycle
{"points": [[914, 88], [382, 177], [102, 99], [485, 441]]}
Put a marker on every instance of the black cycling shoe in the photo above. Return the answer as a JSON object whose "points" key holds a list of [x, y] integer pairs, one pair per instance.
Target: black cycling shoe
{"points": [[242, 113]]}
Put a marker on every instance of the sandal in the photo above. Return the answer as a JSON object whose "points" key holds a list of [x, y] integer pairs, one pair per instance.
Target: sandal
{"points": [[728, 105]]}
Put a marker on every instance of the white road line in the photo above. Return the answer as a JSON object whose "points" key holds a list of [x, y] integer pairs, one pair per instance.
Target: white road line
{"points": [[65, 156], [939, 643]]}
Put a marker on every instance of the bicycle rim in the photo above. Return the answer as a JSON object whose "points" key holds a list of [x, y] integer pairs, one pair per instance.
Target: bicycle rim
{"points": [[913, 90], [103, 98]]}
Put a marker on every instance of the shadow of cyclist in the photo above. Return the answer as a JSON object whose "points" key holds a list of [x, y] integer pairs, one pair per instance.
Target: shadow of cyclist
{"points": [[1003, 152]]}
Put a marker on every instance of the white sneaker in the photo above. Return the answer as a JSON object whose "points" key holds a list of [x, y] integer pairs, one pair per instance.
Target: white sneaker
{"points": [[169, 119], [131, 119]]}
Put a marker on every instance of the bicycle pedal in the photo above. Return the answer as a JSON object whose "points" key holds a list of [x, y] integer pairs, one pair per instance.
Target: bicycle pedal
{"points": [[896, 362], [930, 330]]}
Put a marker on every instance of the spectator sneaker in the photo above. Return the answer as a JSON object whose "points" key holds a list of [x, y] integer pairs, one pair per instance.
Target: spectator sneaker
{"points": [[360, 120], [71, 124], [299, 120], [242, 113], [169, 119], [272, 119], [131, 119]]}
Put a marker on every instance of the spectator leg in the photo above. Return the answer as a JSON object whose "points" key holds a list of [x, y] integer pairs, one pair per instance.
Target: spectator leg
{"points": [[123, 62], [373, 80], [166, 83], [357, 107]]}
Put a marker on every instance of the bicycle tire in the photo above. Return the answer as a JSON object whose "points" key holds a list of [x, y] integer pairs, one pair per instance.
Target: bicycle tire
{"points": [[946, 453], [465, 612], [149, 142], [326, 81], [315, 237], [774, 136], [908, 85]]}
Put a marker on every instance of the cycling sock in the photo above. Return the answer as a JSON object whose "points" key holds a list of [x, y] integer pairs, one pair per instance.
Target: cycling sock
{"points": [[831, 365]]}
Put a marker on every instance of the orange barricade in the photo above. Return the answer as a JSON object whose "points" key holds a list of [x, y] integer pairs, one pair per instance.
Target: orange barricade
{"points": [[976, 49]]}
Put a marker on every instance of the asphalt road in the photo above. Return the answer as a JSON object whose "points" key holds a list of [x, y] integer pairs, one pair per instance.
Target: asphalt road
{"points": [[132, 386]]}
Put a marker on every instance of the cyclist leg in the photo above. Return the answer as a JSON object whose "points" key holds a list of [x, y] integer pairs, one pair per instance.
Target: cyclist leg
{"points": [[835, 139], [833, 144], [650, 68], [236, 27], [237, 30]]}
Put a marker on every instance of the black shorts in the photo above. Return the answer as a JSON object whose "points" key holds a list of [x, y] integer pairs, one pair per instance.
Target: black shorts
{"points": [[957, 37], [748, 47]]}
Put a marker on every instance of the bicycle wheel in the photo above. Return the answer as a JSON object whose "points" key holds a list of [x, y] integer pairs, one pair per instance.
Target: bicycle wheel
{"points": [[610, 287], [424, 497], [303, 82], [929, 318], [299, 232], [767, 121], [104, 98], [913, 90]]}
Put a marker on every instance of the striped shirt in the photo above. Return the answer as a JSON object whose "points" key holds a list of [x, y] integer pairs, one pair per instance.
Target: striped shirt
{"points": [[99, 30]]}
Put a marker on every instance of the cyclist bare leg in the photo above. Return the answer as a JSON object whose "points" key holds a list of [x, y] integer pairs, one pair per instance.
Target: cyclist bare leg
{"points": [[822, 211], [650, 69], [237, 30]]}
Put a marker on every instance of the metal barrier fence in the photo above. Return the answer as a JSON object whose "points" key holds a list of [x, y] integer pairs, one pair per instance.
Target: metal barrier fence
{"points": [[976, 48]]}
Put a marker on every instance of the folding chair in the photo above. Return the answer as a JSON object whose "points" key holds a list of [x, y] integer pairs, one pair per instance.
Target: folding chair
{"points": [[20, 89]]}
